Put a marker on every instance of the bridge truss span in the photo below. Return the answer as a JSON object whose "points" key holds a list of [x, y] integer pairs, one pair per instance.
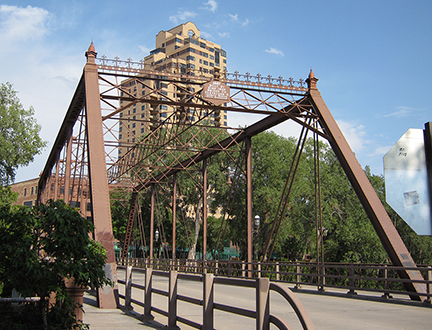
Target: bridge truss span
{"points": [[132, 132]]}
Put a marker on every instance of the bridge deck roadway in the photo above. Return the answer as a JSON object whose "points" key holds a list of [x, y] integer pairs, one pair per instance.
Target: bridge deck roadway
{"points": [[328, 311]]}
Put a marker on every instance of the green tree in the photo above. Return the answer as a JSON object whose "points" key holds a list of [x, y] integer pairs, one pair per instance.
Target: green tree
{"points": [[19, 134], [43, 246]]}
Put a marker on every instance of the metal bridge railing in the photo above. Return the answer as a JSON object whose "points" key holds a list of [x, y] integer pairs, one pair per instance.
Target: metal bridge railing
{"points": [[261, 314], [354, 278]]}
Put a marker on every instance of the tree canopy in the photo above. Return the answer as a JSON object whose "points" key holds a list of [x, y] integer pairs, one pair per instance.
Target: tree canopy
{"points": [[19, 134], [348, 235], [36, 257]]}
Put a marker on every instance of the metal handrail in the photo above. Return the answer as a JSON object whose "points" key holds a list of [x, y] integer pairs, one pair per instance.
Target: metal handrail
{"points": [[261, 285], [377, 278]]}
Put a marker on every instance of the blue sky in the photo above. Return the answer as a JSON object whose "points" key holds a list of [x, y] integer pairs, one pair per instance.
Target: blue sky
{"points": [[372, 58]]}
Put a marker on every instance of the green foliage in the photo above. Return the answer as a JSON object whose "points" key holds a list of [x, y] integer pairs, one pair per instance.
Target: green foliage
{"points": [[43, 246], [348, 233], [7, 196], [19, 134]]}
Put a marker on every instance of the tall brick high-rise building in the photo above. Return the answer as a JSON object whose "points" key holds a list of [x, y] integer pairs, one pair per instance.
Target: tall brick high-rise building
{"points": [[178, 50]]}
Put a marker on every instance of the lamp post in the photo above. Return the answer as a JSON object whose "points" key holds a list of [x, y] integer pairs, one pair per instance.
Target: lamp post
{"points": [[156, 238], [257, 224]]}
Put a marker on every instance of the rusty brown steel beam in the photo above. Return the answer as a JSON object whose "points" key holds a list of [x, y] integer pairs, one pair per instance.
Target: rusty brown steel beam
{"points": [[129, 227], [204, 211], [258, 127], [249, 210], [382, 223], [72, 114], [100, 200], [174, 217]]}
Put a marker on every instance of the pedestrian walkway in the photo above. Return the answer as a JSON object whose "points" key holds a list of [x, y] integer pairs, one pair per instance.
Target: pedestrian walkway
{"points": [[328, 311], [110, 319]]}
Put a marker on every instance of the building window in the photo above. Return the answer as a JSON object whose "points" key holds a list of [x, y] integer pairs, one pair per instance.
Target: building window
{"points": [[120, 136], [134, 110], [25, 192], [32, 190], [163, 115], [163, 107], [133, 125], [190, 58], [202, 45], [142, 130], [205, 62], [29, 203]]}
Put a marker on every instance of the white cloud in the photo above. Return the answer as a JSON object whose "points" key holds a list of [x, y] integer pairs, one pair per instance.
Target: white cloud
{"points": [[20, 24], [274, 51], [353, 134], [182, 16], [234, 17], [206, 35], [212, 5], [144, 49], [400, 112], [380, 151], [224, 34]]}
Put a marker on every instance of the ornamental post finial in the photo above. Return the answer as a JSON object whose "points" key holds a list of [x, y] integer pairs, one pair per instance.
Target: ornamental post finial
{"points": [[91, 53], [312, 80]]}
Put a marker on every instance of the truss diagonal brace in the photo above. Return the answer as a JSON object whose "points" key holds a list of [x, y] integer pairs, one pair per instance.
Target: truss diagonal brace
{"points": [[260, 126], [376, 212]]}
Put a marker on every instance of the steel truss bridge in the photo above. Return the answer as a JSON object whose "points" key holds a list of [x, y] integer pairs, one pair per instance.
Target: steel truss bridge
{"points": [[84, 165]]}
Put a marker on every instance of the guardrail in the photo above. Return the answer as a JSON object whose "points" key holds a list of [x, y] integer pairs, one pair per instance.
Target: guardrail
{"points": [[262, 314], [354, 278]]}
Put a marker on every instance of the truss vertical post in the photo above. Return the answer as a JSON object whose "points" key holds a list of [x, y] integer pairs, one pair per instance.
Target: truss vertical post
{"points": [[68, 168], [152, 200], [248, 147], [56, 181], [174, 216], [204, 213], [100, 200], [376, 212]]}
